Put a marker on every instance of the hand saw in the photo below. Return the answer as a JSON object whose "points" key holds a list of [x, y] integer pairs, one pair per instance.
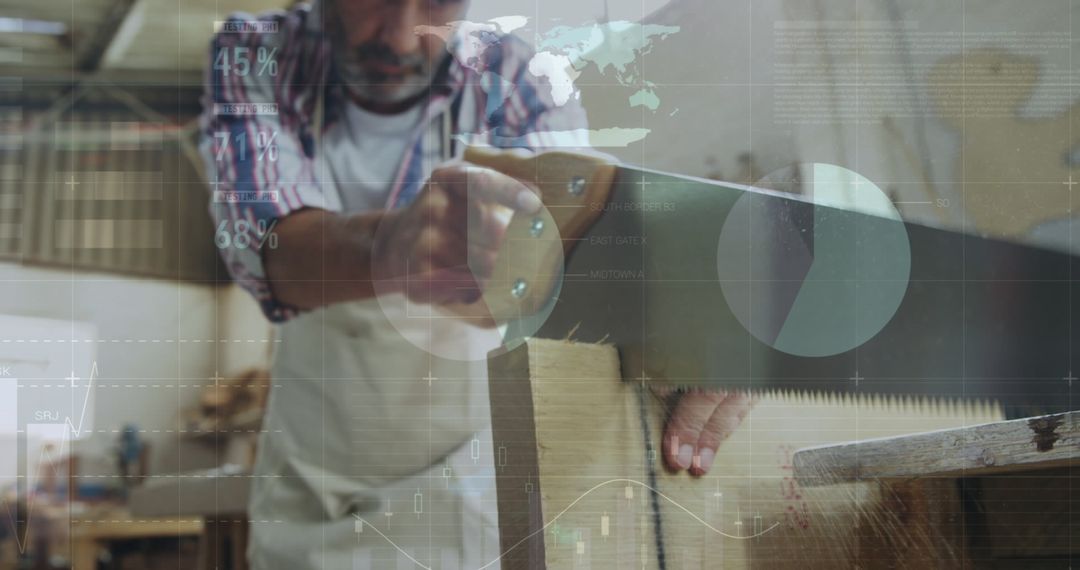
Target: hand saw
{"points": [[639, 258]]}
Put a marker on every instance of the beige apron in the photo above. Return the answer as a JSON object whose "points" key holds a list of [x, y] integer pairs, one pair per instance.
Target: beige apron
{"points": [[362, 423], [375, 454]]}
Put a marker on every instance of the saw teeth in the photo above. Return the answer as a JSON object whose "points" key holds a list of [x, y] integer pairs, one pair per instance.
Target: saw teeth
{"points": [[899, 403], [902, 403]]}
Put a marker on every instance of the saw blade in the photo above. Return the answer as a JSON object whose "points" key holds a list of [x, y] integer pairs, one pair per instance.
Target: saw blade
{"points": [[971, 318]]}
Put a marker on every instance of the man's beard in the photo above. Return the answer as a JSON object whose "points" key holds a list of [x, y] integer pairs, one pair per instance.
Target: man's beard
{"points": [[368, 84]]}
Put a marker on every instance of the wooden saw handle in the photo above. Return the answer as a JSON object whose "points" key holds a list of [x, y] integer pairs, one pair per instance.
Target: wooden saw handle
{"points": [[574, 189]]}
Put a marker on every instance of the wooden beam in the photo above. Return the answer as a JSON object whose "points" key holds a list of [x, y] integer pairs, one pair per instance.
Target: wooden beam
{"points": [[1036, 443], [92, 51], [28, 76]]}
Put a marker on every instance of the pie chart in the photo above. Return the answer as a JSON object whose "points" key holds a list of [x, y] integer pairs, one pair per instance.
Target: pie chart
{"points": [[819, 275]]}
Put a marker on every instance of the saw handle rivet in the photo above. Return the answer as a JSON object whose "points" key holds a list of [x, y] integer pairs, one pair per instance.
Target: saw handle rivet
{"points": [[537, 227], [576, 186], [519, 288]]}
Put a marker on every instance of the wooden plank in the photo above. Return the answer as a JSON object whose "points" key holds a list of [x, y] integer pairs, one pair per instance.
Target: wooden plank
{"points": [[575, 478], [1036, 443]]}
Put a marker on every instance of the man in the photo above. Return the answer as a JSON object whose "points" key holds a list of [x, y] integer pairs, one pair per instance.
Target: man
{"points": [[376, 446]]}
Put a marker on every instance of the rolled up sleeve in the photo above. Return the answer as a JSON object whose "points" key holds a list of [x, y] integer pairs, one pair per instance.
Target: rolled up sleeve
{"points": [[257, 166]]}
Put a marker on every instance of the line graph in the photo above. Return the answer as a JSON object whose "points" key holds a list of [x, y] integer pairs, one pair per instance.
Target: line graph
{"points": [[61, 432], [21, 539], [76, 431], [567, 509]]}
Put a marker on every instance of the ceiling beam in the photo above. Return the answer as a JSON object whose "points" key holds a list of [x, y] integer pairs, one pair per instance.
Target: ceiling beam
{"points": [[28, 76], [92, 51]]}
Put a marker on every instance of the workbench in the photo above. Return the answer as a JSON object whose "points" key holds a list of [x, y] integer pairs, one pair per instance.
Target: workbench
{"points": [[90, 536], [581, 484], [222, 540]]}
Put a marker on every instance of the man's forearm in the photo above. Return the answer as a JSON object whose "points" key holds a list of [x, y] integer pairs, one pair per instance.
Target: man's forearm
{"points": [[322, 258]]}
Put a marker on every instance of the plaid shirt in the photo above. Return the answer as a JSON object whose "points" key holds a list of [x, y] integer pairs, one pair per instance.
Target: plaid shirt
{"points": [[259, 131]]}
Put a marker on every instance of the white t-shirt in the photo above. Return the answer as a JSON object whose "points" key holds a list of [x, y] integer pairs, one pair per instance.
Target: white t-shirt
{"points": [[362, 154]]}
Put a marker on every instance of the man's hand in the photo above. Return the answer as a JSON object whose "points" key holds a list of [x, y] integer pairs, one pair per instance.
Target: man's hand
{"points": [[442, 248], [700, 422]]}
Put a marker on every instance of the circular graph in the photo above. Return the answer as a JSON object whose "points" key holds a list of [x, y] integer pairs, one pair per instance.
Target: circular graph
{"points": [[818, 275]]}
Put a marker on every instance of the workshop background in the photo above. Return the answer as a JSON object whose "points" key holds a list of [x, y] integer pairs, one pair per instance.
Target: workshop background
{"points": [[110, 281]]}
